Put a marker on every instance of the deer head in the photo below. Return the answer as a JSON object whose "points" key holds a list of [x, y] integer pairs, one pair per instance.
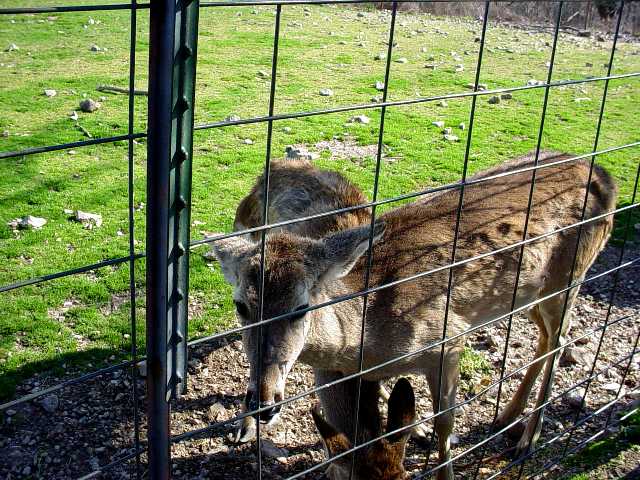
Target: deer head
{"points": [[295, 270], [382, 460]]}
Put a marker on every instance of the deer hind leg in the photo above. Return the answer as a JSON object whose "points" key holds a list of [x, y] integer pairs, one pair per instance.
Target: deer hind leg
{"points": [[516, 406], [443, 423], [551, 311]]}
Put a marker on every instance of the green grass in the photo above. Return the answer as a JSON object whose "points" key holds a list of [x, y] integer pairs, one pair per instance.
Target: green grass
{"points": [[609, 451], [234, 44]]}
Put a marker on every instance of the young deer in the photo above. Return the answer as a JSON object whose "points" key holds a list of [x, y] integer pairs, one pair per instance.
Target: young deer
{"points": [[382, 460], [408, 316], [297, 189]]}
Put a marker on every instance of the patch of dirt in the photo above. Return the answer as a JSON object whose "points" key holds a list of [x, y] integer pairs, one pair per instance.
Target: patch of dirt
{"points": [[93, 422]]}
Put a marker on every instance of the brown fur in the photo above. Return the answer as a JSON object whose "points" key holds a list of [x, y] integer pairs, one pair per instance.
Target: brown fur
{"points": [[418, 237], [297, 189]]}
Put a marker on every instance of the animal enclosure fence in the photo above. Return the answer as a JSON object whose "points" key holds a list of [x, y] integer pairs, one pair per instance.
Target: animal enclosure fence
{"points": [[169, 137]]}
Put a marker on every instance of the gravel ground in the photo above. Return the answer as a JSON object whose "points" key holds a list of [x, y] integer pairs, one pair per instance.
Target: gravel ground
{"points": [[87, 426]]}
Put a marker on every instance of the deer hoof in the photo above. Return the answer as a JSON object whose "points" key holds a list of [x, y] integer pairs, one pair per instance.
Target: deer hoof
{"points": [[420, 434], [244, 432]]}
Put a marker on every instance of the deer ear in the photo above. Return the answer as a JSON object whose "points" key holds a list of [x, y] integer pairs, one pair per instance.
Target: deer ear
{"points": [[343, 249], [335, 441], [402, 410], [228, 251]]}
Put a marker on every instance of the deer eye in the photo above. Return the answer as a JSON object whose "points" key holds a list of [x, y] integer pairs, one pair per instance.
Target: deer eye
{"points": [[241, 308], [298, 316]]}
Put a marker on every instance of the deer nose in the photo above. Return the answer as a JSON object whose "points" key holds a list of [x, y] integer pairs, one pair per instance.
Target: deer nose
{"points": [[265, 415]]}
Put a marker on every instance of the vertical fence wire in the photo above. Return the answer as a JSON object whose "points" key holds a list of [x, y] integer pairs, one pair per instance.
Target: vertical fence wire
{"points": [[263, 234], [559, 337], [369, 260], [132, 261], [472, 114], [525, 229]]}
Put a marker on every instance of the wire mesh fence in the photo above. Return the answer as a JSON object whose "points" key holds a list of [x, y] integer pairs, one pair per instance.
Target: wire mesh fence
{"points": [[173, 42]]}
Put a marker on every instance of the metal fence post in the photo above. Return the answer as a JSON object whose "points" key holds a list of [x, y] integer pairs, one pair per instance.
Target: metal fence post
{"points": [[172, 59]]}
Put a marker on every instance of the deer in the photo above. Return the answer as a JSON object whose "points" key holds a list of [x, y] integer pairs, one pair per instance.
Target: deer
{"points": [[298, 189], [404, 317], [382, 460]]}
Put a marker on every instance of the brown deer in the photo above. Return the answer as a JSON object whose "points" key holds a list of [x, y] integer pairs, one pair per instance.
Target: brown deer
{"points": [[408, 316], [382, 460], [298, 189]]}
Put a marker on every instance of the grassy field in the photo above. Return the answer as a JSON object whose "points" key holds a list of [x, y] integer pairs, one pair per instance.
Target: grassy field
{"points": [[84, 320]]}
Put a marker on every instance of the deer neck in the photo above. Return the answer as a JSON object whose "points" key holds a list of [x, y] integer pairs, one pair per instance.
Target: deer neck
{"points": [[333, 339]]}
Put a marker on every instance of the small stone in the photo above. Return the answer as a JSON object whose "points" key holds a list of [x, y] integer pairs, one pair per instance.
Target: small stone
{"points": [[342, 42], [533, 82], [232, 118], [95, 48], [423, 50], [263, 74], [380, 56], [451, 138], [73, 116], [401, 60], [600, 38], [494, 100], [10, 412], [88, 220], [454, 439], [581, 99], [443, 103], [506, 96], [286, 129], [575, 397], [270, 450], [361, 14], [459, 68], [379, 85], [89, 106], [430, 66], [584, 33], [574, 356], [326, 92], [588, 65], [49, 92], [28, 222], [216, 411], [5, 133], [448, 131], [462, 126], [360, 119], [376, 99], [12, 47], [438, 123], [611, 387], [300, 154], [247, 141], [49, 403]]}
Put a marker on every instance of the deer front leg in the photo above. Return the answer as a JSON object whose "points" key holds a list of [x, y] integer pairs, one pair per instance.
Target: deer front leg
{"points": [[443, 422], [245, 429]]}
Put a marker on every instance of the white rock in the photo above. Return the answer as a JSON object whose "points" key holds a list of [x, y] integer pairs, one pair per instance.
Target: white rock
{"points": [[401, 60], [326, 92], [360, 119], [462, 126], [248, 141], [50, 92], [438, 123], [380, 56], [286, 129], [574, 398], [451, 138], [88, 220], [300, 154], [95, 48], [448, 131], [12, 47], [232, 118], [443, 103], [28, 222], [379, 85], [611, 387], [73, 116]]}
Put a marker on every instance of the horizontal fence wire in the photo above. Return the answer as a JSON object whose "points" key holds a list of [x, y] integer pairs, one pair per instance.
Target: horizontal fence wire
{"points": [[396, 198], [232, 3], [304, 114]]}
